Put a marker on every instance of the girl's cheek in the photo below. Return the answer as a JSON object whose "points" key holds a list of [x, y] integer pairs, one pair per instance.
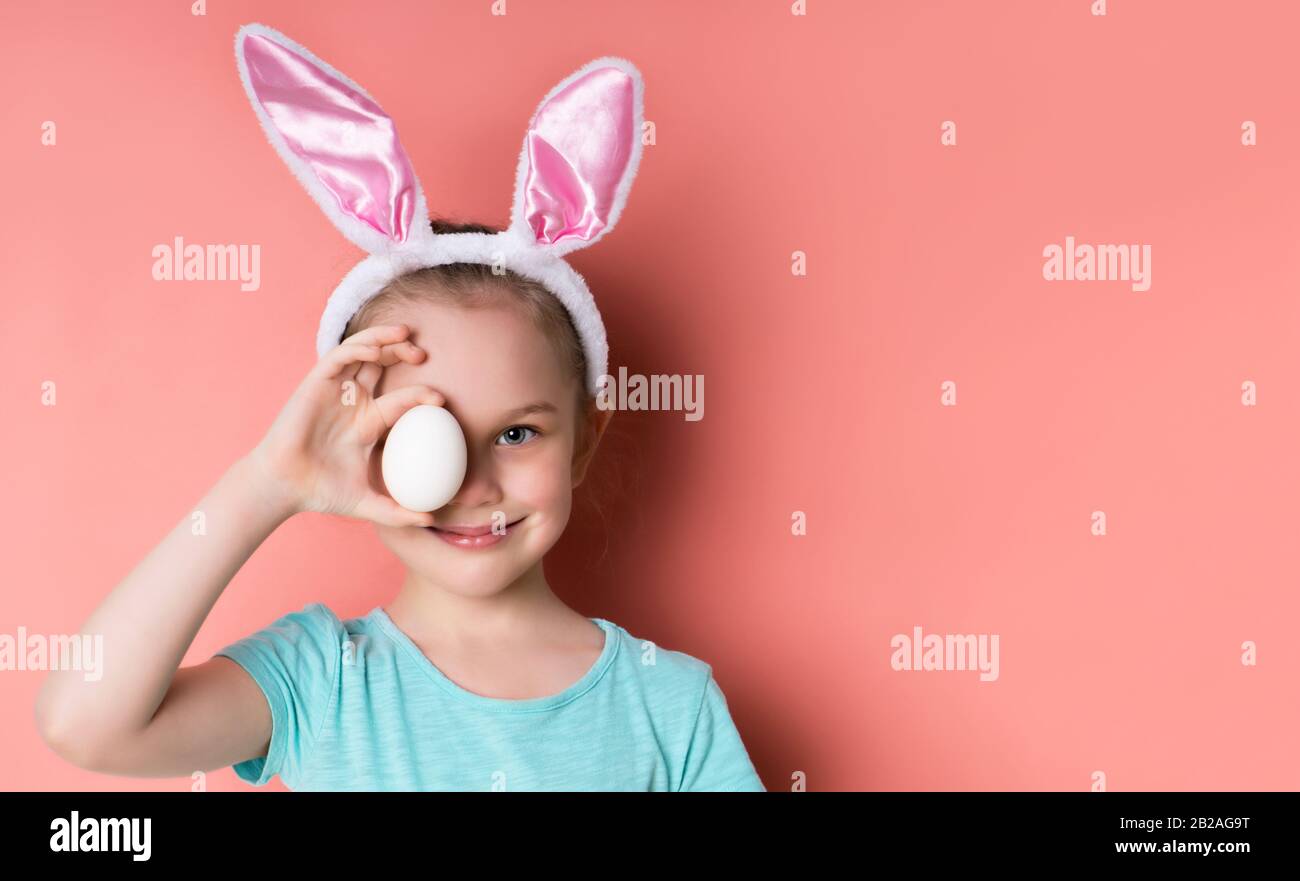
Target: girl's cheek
{"points": [[539, 484]]}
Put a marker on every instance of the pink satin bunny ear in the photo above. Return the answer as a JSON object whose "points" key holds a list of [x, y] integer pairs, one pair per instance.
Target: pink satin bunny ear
{"points": [[336, 139], [580, 155]]}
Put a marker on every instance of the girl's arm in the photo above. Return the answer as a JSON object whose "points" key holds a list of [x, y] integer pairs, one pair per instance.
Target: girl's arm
{"points": [[145, 715]]}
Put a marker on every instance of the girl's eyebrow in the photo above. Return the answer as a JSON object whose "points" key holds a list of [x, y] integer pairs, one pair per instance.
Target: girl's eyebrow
{"points": [[537, 407]]}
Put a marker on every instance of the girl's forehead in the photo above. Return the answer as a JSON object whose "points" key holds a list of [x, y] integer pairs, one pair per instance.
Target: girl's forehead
{"points": [[482, 359]]}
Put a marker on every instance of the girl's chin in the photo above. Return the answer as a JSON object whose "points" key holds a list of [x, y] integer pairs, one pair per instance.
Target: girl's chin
{"points": [[477, 575]]}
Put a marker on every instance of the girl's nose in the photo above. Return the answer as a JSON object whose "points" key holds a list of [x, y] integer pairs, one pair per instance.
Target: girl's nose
{"points": [[480, 487]]}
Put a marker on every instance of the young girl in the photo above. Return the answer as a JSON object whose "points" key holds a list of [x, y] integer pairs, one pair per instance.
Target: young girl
{"points": [[475, 675]]}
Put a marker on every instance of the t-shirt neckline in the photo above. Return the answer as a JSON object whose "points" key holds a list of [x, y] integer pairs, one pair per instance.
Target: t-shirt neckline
{"points": [[507, 705]]}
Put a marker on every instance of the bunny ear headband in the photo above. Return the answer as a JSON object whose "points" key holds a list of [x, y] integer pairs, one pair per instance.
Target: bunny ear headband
{"points": [[580, 154]]}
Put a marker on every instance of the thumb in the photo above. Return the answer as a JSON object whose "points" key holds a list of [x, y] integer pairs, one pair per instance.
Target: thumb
{"points": [[382, 509]]}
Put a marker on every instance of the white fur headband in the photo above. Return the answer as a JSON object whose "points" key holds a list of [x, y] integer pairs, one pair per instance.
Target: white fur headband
{"points": [[581, 151]]}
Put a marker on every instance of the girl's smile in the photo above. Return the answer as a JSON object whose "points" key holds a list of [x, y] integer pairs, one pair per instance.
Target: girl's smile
{"points": [[473, 537]]}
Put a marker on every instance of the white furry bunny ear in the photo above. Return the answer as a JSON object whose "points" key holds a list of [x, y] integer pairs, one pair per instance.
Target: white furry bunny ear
{"points": [[336, 139], [580, 154]]}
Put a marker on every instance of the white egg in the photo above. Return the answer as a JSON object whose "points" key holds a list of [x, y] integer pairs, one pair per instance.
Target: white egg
{"points": [[424, 458]]}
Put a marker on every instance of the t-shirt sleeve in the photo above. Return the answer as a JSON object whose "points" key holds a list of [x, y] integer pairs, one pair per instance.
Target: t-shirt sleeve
{"points": [[716, 760], [295, 661]]}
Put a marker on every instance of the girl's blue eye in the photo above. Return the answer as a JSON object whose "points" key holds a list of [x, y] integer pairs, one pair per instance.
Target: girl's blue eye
{"points": [[514, 431]]}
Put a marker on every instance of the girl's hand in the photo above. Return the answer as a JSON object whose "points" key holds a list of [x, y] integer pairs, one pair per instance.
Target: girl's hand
{"points": [[317, 454]]}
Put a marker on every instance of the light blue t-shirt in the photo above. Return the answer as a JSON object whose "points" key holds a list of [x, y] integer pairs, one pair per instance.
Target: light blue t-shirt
{"points": [[355, 705]]}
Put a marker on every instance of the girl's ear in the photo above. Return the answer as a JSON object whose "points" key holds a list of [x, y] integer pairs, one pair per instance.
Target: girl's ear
{"points": [[580, 155], [335, 138], [593, 429]]}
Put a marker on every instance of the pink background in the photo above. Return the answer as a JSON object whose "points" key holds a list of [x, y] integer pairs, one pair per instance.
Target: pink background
{"points": [[775, 133]]}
